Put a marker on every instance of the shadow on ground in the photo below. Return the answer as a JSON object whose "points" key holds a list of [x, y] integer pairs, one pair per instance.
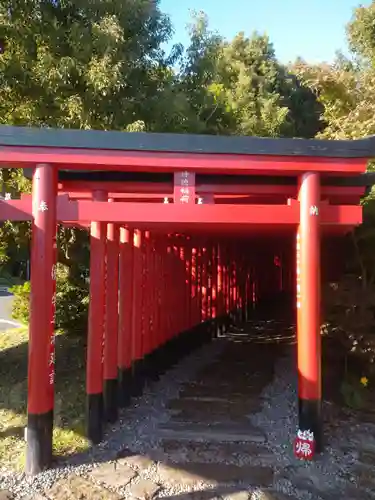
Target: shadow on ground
{"points": [[69, 394], [244, 374]]}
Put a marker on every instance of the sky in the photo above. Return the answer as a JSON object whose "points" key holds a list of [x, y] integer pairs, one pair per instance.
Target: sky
{"points": [[312, 29]]}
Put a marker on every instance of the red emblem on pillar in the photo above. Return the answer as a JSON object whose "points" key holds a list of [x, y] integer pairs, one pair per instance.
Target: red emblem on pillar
{"points": [[304, 445]]}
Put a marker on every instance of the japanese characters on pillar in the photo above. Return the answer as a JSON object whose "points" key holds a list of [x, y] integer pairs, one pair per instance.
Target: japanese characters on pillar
{"points": [[304, 445], [51, 367], [298, 271], [43, 207], [184, 187]]}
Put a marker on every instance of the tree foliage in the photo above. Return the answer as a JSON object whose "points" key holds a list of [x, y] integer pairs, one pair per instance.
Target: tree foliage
{"points": [[346, 91]]}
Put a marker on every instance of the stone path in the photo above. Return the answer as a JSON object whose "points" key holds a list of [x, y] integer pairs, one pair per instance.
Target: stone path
{"points": [[227, 434]]}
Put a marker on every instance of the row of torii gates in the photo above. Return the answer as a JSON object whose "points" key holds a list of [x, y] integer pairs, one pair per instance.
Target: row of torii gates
{"points": [[186, 230]]}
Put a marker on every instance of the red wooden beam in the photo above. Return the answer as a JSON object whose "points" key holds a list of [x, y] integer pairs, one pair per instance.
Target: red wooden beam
{"points": [[256, 194], [236, 200], [138, 214], [83, 189], [179, 216], [135, 190], [142, 161]]}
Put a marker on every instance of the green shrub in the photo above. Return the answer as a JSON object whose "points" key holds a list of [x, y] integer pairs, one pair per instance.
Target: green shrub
{"points": [[20, 310], [71, 302]]}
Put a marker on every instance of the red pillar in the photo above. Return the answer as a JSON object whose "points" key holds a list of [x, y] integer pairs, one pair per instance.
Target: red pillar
{"points": [[204, 284], [228, 282], [219, 291], [154, 300], [158, 326], [308, 335], [210, 283], [41, 332], [124, 360], [111, 324], [137, 321], [163, 287], [200, 282], [147, 287], [214, 289], [231, 284], [94, 380], [188, 285], [169, 290], [194, 287]]}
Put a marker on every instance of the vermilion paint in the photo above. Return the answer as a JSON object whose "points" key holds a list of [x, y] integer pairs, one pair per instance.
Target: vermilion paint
{"points": [[41, 330], [112, 297], [309, 351]]}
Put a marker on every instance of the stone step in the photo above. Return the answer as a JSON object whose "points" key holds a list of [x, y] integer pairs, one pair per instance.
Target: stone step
{"points": [[186, 431], [211, 405], [214, 418], [176, 451]]}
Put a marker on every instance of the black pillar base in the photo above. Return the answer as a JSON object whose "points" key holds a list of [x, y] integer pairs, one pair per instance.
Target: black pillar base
{"points": [[160, 362], [153, 365], [138, 380], [95, 418], [310, 419], [124, 386], [215, 328], [169, 354], [110, 400], [39, 442]]}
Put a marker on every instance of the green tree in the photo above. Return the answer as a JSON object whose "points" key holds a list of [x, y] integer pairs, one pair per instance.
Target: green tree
{"points": [[86, 64], [239, 87], [79, 64]]}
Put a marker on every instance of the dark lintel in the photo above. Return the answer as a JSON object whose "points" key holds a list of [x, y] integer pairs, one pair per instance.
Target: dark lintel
{"points": [[361, 180], [184, 143]]}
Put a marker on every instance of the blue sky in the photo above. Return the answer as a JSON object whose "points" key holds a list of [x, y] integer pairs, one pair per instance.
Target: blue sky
{"points": [[312, 29]]}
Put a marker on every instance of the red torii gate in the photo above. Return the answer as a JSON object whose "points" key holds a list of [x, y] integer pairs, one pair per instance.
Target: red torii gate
{"points": [[187, 188]]}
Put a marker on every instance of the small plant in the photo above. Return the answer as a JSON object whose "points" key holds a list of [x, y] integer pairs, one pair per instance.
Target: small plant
{"points": [[354, 392]]}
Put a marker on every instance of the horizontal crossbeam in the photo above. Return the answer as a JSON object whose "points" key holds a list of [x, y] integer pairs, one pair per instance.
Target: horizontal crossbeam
{"points": [[179, 215], [258, 194], [83, 189]]}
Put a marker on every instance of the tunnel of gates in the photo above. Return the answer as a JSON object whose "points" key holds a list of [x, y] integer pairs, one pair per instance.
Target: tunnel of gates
{"points": [[186, 233]]}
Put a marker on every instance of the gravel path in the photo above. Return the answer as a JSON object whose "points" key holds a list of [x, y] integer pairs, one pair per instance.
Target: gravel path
{"points": [[219, 425]]}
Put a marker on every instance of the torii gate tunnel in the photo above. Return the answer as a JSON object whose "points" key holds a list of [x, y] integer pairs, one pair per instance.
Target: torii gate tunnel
{"points": [[186, 231]]}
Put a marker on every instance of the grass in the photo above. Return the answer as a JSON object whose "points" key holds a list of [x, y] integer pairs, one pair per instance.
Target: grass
{"points": [[68, 437]]}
